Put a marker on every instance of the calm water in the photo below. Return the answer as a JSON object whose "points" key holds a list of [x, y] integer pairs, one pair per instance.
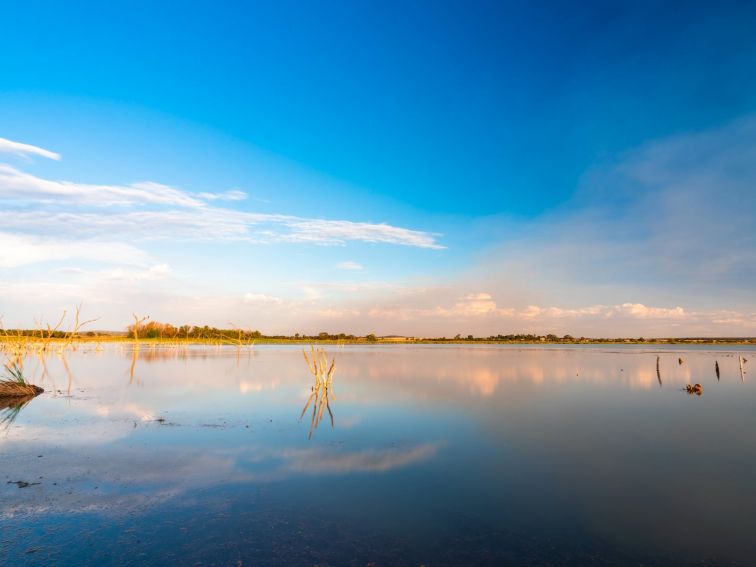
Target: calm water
{"points": [[439, 455]]}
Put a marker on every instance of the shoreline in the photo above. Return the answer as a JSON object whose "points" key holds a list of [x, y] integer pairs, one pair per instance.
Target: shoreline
{"points": [[115, 339]]}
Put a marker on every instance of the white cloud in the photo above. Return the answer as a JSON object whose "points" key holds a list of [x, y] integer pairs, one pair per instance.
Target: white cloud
{"points": [[474, 305], [19, 250], [156, 272], [481, 305], [642, 312], [24, 150], [262, 299], [331, 313]]}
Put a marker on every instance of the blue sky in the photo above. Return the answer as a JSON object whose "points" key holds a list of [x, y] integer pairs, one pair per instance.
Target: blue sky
{"points": [[420, 168]]}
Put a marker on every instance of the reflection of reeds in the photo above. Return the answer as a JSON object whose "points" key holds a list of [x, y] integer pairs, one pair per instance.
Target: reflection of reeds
{"points": [[15, 385], [10, 407], [321, 392]]}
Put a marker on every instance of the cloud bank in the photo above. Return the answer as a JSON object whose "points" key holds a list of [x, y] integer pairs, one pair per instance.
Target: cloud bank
{"points": [[658, 241]]}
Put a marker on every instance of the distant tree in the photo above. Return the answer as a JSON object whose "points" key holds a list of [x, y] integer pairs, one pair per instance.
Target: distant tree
{"points": [[371, 338]]}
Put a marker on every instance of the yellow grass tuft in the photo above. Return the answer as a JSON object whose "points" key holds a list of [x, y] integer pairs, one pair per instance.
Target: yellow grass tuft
{"points": [[15, 385]]}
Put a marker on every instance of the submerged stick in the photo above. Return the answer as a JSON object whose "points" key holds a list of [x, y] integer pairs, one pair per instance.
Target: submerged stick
{"points": [[716, 369], [658, 373], [740, 360]]}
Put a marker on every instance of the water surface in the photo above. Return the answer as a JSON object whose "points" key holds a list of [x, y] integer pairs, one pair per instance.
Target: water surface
{"points": [[439, 455]]}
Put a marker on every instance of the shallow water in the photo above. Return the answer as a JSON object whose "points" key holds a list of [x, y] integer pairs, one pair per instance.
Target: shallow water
{"points": [[439, 455]]}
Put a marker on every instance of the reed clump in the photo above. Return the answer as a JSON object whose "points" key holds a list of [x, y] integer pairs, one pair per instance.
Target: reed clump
{"points": [[15, 385], [321, 393]]}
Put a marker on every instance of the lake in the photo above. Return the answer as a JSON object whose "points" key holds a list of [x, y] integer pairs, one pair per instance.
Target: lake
{"points": [[438, 455]]}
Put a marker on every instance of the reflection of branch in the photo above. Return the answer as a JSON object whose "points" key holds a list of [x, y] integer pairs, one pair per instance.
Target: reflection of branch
{"points": [[43, 363], [68, 372], [134, 357]]}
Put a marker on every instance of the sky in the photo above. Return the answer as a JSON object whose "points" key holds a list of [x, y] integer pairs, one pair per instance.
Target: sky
{"points": [[415, 168]]}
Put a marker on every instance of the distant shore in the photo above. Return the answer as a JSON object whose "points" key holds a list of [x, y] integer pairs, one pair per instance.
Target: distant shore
{"points": [[121, 338]]}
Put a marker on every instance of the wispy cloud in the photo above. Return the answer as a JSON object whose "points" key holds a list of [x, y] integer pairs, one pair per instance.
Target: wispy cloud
{"points": [[150, 210], [231, 195], [207, 224], [25, 150], [16, 185], [350, 265], [675, 213], [337, 232]]}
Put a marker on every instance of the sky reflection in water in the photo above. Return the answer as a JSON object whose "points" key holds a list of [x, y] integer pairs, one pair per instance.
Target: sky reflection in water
{"points": [[446, 455]]}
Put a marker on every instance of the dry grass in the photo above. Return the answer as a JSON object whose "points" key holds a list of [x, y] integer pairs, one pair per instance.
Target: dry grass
{"points": [[15, 385], [44, 339]]}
